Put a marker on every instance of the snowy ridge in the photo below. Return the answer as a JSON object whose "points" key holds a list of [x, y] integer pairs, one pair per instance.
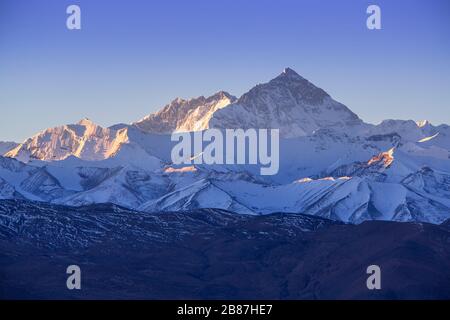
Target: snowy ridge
{"points": [[85, 140], [332, 164], [185, 115]]}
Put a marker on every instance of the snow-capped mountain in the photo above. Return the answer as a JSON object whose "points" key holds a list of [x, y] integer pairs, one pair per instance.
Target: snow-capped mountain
{"points": [[185, 115], [84, 139], [332, 164], [119, 145], [289, 103]]}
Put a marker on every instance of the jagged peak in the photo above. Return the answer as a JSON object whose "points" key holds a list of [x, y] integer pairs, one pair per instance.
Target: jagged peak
{"points": [[291, 79], [290, 72], [222, 95], [299, 87], [423, 123], [86, 122], [216, 96], [178, 100], [186, 115]]}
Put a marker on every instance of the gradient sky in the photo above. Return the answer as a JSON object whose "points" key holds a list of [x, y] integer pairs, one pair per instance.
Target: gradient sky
{"points": [[132, 57]]}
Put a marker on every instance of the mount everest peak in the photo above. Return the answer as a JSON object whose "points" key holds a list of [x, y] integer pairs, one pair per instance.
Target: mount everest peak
{"points": [[289, 103]]}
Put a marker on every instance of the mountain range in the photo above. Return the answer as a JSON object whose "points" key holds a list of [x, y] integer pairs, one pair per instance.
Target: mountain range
{"points": [[332, 164]]}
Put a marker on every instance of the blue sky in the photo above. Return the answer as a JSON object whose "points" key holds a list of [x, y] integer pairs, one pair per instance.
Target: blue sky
{"points": [[132, 57]]}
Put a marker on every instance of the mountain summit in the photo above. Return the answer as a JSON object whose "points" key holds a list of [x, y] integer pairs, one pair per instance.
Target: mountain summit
{"points": [[290, 103], [302, 88], [86, 122], [84, 139]]}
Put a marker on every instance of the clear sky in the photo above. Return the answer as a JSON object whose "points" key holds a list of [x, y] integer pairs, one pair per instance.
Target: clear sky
{"points": [[132, 57]]}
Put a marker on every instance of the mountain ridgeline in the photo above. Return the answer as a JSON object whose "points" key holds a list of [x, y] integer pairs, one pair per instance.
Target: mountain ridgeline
{"points": [[332, 164]]}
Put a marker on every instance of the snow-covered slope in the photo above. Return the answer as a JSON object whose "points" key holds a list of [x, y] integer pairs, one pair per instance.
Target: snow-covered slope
{"points": [[374, 195], [7, 191], [185, 115], [33, 183], [129, 187], [391, 185]]}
